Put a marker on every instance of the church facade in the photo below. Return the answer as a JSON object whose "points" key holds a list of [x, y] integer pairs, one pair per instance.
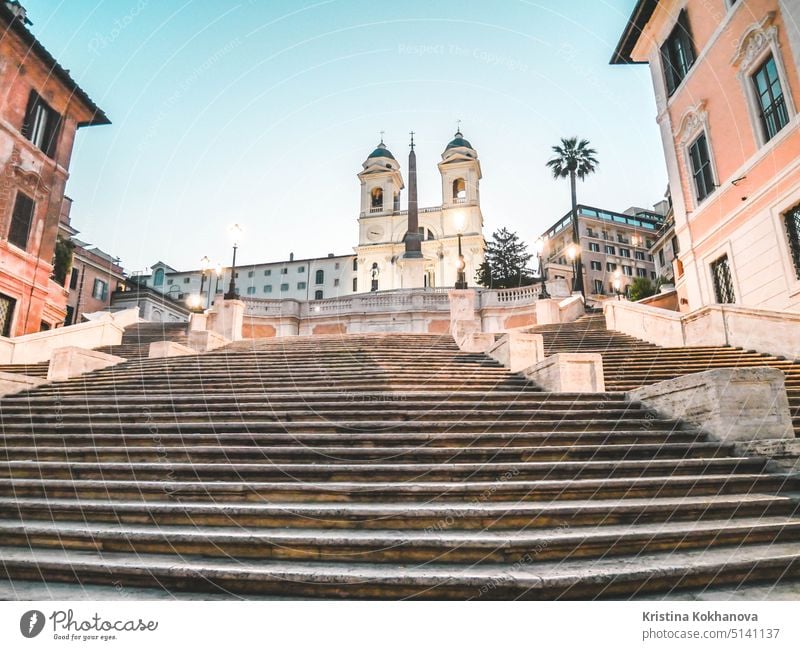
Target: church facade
{"points": [[382, 226], [377, 261]]}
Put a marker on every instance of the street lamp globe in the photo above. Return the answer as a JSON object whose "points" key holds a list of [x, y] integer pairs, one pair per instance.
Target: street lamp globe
{"points": [[572, 252], [459, 221]]}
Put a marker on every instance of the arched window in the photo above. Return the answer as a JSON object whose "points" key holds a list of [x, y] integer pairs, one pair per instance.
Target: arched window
{"points": [[459, 190], [376, 197], [158, 279], [319, 277], [355, 264], [318, 294]]}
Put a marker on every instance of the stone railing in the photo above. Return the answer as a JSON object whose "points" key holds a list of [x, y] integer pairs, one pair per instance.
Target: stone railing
{"points": [[770, 332], [38, 347]]}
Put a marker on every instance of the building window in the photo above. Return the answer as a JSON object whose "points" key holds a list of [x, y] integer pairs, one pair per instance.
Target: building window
{"points": [[318, 294], [336, 282], [675, 246], [611, 250], [187, 280], [771, 103], [642, 273], [301, 285], [639, 256], [158, 278], [702, 172], [250, 274], [596, 266], [625, 252], [319, 277], [21, 220], [589, 232], [652, 275], [677, 53], [100, 289], [355, 264], [284, 271], [73, 279], [355, 284], [627, 270], [6, 314], [251, 291], [594, 247], [301, 269], [598, 286], [285, 286], [267, 271], [611, 267], [723, 283], [41, 125], [791, 221], [267, 288], [661, 261]]}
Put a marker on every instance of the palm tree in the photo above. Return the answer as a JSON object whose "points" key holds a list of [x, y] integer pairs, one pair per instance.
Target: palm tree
{"points": [[575, 159]]}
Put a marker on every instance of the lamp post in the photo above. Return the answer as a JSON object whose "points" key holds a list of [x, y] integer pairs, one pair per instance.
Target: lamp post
{"points": [[540, 246], [235, 232], [572, 254], [205, 264]]}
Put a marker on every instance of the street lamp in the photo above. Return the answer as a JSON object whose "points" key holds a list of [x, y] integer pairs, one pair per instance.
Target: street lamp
{"points": [[540, 245], [195, 303], [572, 254], [461, 277], [205, 264], [235, 232]]}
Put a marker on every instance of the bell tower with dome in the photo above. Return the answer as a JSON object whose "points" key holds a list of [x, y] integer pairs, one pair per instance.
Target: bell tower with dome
{"points": [[381, 254]]}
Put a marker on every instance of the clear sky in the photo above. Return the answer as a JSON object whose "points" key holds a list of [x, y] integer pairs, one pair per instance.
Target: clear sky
{"points": [[262, 111]]}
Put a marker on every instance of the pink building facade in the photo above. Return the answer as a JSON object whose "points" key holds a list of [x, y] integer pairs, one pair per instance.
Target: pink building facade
{"points": [[725, 74]]}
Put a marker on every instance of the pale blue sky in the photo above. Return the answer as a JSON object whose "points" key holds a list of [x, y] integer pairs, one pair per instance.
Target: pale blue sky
{"points": [[262, 111]]}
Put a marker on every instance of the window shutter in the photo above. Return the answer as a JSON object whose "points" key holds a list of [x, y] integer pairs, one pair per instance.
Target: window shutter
{"points": [[686, 35], [21, 221], [51, 137], [27, 124]]}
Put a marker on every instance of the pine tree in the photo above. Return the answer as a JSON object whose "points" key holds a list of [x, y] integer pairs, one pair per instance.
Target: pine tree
{"points": [[505, 263]]}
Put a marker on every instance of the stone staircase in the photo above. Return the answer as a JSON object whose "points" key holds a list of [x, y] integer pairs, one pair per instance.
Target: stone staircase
{"points": [[629, 362], [374, 466], [29, 369], [137, 338]]}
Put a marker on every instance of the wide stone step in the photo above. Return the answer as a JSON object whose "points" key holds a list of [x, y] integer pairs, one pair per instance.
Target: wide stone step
{"points": [[470, 515], [350, 415], [314, 470], [445, 546], [192, 451], [157, 438], [502, 488], [570, 579]]}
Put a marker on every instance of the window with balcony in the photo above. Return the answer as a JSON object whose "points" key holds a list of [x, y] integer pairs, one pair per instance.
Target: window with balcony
{"points": [[677, 53], [42, 124], [773, 113]]}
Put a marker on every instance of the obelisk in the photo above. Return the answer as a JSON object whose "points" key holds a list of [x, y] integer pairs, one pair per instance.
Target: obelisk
{"points": [[413, 264]]}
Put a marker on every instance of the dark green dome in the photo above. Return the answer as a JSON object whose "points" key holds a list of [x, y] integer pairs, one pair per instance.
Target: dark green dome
{"points": [[458, 141], [381, 152]]}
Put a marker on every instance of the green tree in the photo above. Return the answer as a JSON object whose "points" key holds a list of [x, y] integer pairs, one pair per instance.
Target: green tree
{"points": [[574, 159], [641, 288], [505, 263], [62, 260]]}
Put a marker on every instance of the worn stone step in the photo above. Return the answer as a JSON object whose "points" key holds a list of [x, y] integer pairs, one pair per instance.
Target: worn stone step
{"points": [[191, 451], [468, 515], [570, 579], [504, 487], [156, 438], [445, 546], [266, 470]]}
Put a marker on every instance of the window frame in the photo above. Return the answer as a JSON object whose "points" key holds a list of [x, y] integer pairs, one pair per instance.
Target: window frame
{"points": [[702, 132], [680, 32], [12, 222], [51, 133]]}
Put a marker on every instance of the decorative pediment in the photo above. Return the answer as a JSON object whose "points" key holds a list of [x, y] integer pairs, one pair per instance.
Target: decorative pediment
{"points": [[30, 180], [692, 121], [754, 41]]}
